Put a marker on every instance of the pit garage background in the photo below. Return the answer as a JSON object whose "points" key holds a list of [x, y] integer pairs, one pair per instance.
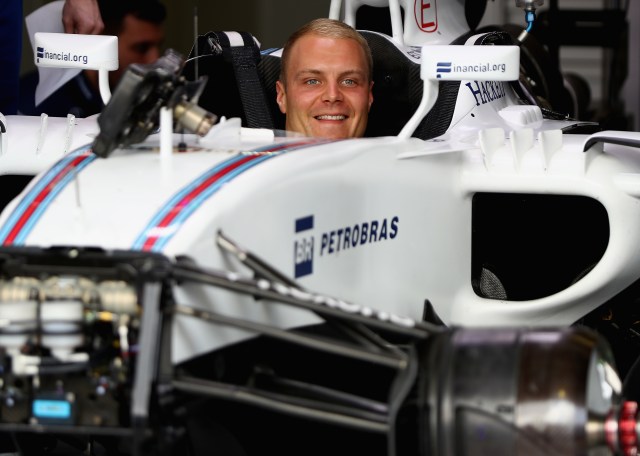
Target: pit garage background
{"points": [[594, 42]]}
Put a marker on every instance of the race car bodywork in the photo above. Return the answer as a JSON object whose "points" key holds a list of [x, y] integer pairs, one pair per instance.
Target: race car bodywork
{"points": [[389, 221], [391, 272]]}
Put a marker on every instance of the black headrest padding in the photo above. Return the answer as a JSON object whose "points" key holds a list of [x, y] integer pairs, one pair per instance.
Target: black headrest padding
{"points": [[397, 91], [221, 95], [473, 12], [269, 71], [438, 120], [397, 88]]}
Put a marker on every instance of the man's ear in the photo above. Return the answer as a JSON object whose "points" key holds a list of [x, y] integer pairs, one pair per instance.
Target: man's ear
{"points": [[281, 97], [370, 94]]}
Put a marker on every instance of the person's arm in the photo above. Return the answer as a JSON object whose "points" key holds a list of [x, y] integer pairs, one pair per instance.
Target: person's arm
{"points": [[82, 16]]}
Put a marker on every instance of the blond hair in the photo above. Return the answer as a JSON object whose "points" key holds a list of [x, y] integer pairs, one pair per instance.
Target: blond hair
{"points": [[328, 28]]}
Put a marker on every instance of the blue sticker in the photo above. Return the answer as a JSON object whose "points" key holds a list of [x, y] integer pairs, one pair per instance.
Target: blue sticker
{"points": [[51, 409]]}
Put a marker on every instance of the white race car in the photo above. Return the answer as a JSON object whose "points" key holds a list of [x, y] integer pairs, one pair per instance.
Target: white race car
{"points": [[252, 291]]}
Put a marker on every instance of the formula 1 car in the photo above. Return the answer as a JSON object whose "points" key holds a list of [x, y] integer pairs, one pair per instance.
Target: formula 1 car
{"points": [[451, 288]]}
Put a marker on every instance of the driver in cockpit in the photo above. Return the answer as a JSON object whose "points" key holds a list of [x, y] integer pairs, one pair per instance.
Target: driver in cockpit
{"points": [[325, 85]]}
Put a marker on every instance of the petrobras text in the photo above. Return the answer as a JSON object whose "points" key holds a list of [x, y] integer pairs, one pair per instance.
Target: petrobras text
{"points": [[358, 234], [340, 239]]}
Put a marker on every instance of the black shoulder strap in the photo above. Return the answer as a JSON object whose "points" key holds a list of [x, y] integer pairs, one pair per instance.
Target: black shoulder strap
{"points": [[242, 51]]}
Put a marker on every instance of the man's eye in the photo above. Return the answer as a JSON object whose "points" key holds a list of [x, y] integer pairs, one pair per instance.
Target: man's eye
{"points": [[142, 48], [349, 82], [312, 82]]}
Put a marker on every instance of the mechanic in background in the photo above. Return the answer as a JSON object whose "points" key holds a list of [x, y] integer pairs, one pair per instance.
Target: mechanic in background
{"points": [[139, 26], [326, 80], [78, 16]]}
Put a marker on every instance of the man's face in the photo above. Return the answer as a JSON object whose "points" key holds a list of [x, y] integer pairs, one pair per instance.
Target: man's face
{"points": [[138, 42], [327, 92]]}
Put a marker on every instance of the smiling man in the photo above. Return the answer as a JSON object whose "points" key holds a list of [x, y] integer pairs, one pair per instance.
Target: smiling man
{"points": [[326, 80]]}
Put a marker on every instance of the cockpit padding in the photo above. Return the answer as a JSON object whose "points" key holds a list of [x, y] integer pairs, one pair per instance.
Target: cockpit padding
{"points": [[397, 88], [234, 88], [397, 91], [269, 71]]}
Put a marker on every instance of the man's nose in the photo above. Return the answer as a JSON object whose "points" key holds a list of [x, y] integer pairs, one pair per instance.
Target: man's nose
{"points": [[332, 92], [152, 55]]}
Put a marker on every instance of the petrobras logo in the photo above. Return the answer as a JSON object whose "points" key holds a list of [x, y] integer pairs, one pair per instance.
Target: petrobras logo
{"points": [[327, 243], [449, 67], [426, 15], [303, 247], [42, 53]]}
